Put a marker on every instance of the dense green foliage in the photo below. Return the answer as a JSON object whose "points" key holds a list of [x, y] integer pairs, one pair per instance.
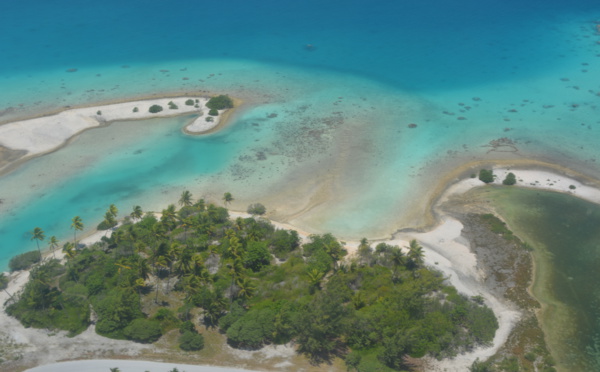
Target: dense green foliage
{"points": [[377, 307], [213, 112], [510, 179], [24, 261], [191, 341], [172, 105], [189, 102], [220, 102], [256, 209], [486, 175], [155, 108], [143, 330], [43, 305]]}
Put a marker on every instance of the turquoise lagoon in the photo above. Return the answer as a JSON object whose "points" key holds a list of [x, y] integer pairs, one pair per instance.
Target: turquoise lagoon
{"points": [[331, 88], [330, 91], [466, 72]]}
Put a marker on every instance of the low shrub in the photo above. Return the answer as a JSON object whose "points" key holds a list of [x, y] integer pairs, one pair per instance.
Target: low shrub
{"points": [[98, 112], [143, 330], [189, 102], [191, 341], [257, 209], [135, 109], [486, 175], [24, 261], [155, 108], [210, 118], [220, 102], [510, 179], [213, 112], [173, 106]]}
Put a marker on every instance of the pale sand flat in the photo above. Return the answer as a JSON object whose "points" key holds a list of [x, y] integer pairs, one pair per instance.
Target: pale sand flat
{"points": [[45, 134]]}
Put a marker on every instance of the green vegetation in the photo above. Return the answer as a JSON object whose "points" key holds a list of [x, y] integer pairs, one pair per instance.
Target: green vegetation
{"points": [[256, 209], [572, 187], [510, 179], [135, 109], [155, 108], [98, 112], [209, 119], [160, 275], [213, 112], [486, 175], [24, 261], [221, 102], [190, 102], [110, 218], [172, 106], [38, 235]]}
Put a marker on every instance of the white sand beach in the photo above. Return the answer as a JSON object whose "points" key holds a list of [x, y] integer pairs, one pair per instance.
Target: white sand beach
{"points": [[47, 133], [103, 365], [445, 248]]}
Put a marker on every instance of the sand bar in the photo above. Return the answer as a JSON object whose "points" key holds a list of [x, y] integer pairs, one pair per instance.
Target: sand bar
{"points": [[47, 133]]}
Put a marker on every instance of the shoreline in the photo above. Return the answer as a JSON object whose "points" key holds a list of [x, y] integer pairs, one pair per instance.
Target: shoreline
{"points": [[445, 250], [50, 132], [440, 235]]}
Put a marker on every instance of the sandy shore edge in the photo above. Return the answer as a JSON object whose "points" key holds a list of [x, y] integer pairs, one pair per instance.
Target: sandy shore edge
{"points": [[445, 250], [44, 134]]}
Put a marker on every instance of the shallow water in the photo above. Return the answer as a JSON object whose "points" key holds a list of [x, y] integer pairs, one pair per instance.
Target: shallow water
{"points": [[339, 155], [564, 233]]}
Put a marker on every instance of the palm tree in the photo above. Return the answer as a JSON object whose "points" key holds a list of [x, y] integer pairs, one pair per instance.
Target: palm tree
{"points": [[69, 250], [137, 212], [246, 288], [169, 215], [200, 205], [160, 264], [415, 254], [191, 287], [314, 279], [53, 243], [397, 258], [113, 210], [227, 198], [109, 219], [186, 199], [142, 268], [77, 225], [184, 262], [38, 235]]}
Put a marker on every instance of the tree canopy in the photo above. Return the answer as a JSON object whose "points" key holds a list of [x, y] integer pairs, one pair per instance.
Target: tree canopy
{"points": [[258, 285]]}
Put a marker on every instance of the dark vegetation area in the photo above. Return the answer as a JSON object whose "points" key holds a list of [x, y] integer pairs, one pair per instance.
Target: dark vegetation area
{"points": [[258, 285], [155, 108], [221, 102], [24, 261], [486, 175]]}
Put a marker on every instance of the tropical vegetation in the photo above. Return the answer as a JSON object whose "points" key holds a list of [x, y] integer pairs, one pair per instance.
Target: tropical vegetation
{"points": [[258, 285], [486, 175], [221, 102]]}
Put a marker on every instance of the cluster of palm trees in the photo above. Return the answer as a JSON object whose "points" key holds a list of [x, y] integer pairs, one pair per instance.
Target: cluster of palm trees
{"points": [[162, 254], [39, 235], [413, 259]]}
